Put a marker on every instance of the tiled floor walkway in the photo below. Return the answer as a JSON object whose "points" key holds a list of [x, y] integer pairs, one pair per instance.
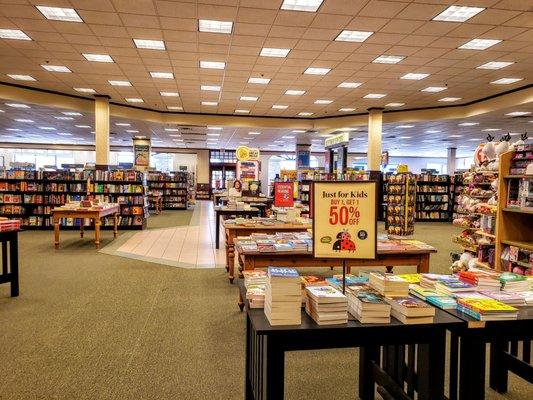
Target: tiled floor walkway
{"points": [[191, 246]]}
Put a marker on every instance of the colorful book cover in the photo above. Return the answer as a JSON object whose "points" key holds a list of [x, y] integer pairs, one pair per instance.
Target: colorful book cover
{"points": [[444, 302], [324, 292], [410, 302], [510, 277], [456, 284], [370, 296], [486, 305], [313, 280], [411, 278], [423, 292], [504, 297], [279, 272]]}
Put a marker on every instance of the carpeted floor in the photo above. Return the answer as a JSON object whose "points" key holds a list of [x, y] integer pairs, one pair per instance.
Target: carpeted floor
{"points": [[92, 326]]}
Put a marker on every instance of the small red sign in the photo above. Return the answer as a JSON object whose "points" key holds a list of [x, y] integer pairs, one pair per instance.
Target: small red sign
{"points": [[284, 194]]}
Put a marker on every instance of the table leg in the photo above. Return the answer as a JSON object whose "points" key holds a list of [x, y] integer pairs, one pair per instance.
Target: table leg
{"points": [[231, 261], [241, 301], [367, 384], [217, 229], [56, 232], [82, 223], [97, 224], [499, 375], [14, 265], [4, 258], [430, 367], [423, 267], [115, 225], [275, 369], [389, 268], [472, 367], [248, 391]]}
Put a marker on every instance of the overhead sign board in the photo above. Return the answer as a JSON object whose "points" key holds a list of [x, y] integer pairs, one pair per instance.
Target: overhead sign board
{"points": [[337, 140]]}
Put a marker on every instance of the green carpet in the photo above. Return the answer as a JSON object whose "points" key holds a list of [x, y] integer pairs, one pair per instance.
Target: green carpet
{"points": [[93, 326]]}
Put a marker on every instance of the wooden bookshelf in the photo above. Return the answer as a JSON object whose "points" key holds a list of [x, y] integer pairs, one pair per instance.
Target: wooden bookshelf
{"points": [[173, 187], [433, 198]]}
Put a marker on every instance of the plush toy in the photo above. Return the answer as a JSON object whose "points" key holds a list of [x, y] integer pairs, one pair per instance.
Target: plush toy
{"points": [[479, 155], [519, 142], [472, 263], [489, 150], [462, 264]]}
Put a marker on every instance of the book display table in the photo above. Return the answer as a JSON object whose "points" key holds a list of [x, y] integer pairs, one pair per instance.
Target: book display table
{"points": [[10, 260], [219, 211], [266, 346], [83, 213], [234, 230]]}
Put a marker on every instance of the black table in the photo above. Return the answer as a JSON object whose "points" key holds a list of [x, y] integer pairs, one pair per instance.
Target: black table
{"points": [[10, 261], [252, 212], [266, 346], [467, 375]]}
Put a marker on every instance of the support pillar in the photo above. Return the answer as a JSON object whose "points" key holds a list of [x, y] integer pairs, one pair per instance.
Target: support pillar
{"points": [[101, 125], [375, 124], [303, 156], [452, 158]]}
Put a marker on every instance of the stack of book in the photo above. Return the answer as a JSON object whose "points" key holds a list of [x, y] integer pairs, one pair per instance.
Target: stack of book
{"points": [[482, 280], [283, 297], [429, 280], [423, 293], [389, 285], [512, 299], [368, 306], [326, 305], [411, 310], [311, 280], [351, 280], [255, 277], [255, 284], [486, 309], [452, 286], [411, 278], [513, 282], [266, 245]]}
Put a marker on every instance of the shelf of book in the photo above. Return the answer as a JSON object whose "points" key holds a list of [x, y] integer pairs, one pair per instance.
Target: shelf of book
{"points": [[400, 209], [173, 188], [203, 191], [433, 195], [55, 188]]}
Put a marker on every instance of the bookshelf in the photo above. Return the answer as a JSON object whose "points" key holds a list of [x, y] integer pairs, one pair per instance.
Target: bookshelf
{"points": [[203, 191], [172, 186], [400, 200], [304, 191], [433, 197], [514, 223], [31, 195]]}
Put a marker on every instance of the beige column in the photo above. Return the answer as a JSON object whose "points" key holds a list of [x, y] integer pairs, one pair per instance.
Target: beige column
{"points": [[375, 123], [101, 125]]}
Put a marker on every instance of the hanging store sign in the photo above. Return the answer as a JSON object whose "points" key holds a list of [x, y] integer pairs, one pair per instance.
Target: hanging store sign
{"points": [[244, 153], [341, 139]]}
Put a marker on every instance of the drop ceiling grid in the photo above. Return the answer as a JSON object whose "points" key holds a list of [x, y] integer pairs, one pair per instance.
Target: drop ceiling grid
{"points": [[405, 29]]}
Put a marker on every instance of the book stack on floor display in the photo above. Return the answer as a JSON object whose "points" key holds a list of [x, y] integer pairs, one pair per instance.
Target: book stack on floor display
{"points": [[326, 305], [389, 285], [410, 310], [433, 194], [283, 297], [400, 199], [31, 195], [368, 306], [172, 187], [255, 283]]}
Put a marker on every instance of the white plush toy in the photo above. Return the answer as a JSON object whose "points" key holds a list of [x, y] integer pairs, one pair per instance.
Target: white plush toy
{"points": [[462, 264], [489, 150], [519, 142], [501, 148]]}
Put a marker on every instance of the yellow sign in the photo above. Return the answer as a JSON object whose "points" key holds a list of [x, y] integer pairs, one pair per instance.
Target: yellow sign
{"points": [[402, 168], [245, 153], [341, 138], [344, 219], [253, 154]]}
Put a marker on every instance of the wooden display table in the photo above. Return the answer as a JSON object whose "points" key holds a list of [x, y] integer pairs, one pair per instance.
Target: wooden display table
{"points": [[266, 346], [157, 201], [252, 212], [83, 213], [10, 269], [233, 230]]}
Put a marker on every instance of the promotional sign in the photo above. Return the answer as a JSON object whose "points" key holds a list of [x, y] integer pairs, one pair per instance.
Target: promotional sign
{"points": [[141, 155], [341, 139], [247, 170], [344, 219], [283, 194], [385, 158], [303, 158], [244, 153]]}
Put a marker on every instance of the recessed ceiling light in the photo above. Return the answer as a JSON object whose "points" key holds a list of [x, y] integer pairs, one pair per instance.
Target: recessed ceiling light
{"points": [[353, 36], [468, 124], [272, 52], [495, 65], [259, 81], [279, 107], [518, 113], [288, 137], [292, 92], [21, 77], [132, 131], [404, 137], [60, 14], [458, 13], [213, 134], [301, 5], [248, 98], [299, 131], [506, 81], [491, 129], [244, 142], [323, 101], [105, 58], [432, 131], [455, 136], [209, 103], [254, 133], [162, 75], [384, 59], [84, 90], [172, 130], [71, 113], [241, 111], [305, 114], [212, 64], [316, 71], [122, 124], [120, 83], [47, 128], [169, 94], [374, 96], [214, 128], [210, 88], [449, 99], [83, 126], [349, 85], [14, 34], [56, 68], [434, 89], [394, 104], [213, 26], [64, 118], [346, 109], [64, 134], [414, 77], [17, 105], [134, 100], [29, 121], [479, 44], [405, 126], [12, 129], [174, 108], [149, 44]]}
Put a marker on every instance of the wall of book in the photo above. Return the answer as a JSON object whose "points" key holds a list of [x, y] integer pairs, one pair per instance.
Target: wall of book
{"points": [[172, 186], [433, 197], [31, 195]]}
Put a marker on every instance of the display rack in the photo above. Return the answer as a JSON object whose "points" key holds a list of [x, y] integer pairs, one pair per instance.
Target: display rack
{"points": [[31, 195], [457, 187], [514, 225], [400, 199], [304, 191], [172, 186], [433, 198], [203, 191]]}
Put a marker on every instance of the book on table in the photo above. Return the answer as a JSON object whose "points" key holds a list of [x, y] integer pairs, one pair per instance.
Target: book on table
{"points": [[255, 276], [326, 305], [368, 306], [487, 309], [513, 282], [388, 284], [423, 292], [411, 310], [512, 299], [444, 302], [429, 280], [283, 296], [411, 278], [453, 286]]}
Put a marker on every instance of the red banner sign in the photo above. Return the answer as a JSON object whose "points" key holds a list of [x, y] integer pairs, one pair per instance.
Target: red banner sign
{"points": [[284, 194]]}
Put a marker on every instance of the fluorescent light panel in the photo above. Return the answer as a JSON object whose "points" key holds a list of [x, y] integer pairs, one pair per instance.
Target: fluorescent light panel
{"points": [[14, 34], [495, 65], [212, 64], [174, 108], [248, 98], [323, 101], [134, 100], [394, 104], [458, 13], [169, 94], [21, 77], [85, 90], [316, 71], [259, 81], [468, 123], [518, 113], [71, 113], [346, 109], [449, 99], [434, 89], [106, 58], [305, 114], [120, 83], [274, 52], [17, 105], [28, 121], [56, 68], [149, 44], [384, 59], [293, 92], [506, 81], [279, 107], [479, 44], [353, 36], [162, 75], [301, 5], [414, 76], [210, 88], [209, 103], [349, 85], [214, 26], [60, 14], [242, 111], [374, 96]]}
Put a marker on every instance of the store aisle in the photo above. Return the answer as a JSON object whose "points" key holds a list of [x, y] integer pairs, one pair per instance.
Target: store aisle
{"points": [[190, 246]]}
